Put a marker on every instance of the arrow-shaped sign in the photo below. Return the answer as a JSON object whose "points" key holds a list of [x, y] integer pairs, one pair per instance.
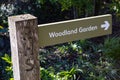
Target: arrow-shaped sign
{"points": [[77, 29], [106, 25]]}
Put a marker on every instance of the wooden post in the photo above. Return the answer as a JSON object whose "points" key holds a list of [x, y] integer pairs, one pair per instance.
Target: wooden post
{"points": [[24, 47]]}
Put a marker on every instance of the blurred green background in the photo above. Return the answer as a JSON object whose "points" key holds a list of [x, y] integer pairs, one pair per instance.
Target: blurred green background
{"points": [[91, 59]]}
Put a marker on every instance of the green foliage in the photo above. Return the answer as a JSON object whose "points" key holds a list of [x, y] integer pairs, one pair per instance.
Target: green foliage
{"points": [[7, 59], [11, 78], [84, 56], [78, 60], [80, 47], [115, 6], [81, 6], [46, 75], [5, 11], [112, 47], [1, 27], [63, 75], [8, 68], [70, 75]]}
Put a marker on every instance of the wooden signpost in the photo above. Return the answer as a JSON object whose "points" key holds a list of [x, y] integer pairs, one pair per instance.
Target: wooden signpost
{"points": [[71, 30], [26, 37], [24, 47]]}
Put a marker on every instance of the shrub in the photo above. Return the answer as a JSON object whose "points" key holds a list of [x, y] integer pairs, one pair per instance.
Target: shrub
{"points": [[8, 68], [112, 48]]}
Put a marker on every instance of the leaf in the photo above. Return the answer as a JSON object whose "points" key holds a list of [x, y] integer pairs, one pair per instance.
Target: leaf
{"points": [[80, 70], [8, 68], [72, 71], [11, 78], [1, 27], [7, 59]]}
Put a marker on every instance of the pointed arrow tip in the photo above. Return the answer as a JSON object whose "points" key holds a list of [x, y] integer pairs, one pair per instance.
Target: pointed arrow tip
{"points": [[106, 25]]}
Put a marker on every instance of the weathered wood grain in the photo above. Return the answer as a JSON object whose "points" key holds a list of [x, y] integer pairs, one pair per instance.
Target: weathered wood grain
{"points": [[24, 47]]}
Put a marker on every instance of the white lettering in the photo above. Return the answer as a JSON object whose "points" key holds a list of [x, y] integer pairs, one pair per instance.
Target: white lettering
{"points": [[52, 35], [93, 28], [74, 31], [65, 32]]}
